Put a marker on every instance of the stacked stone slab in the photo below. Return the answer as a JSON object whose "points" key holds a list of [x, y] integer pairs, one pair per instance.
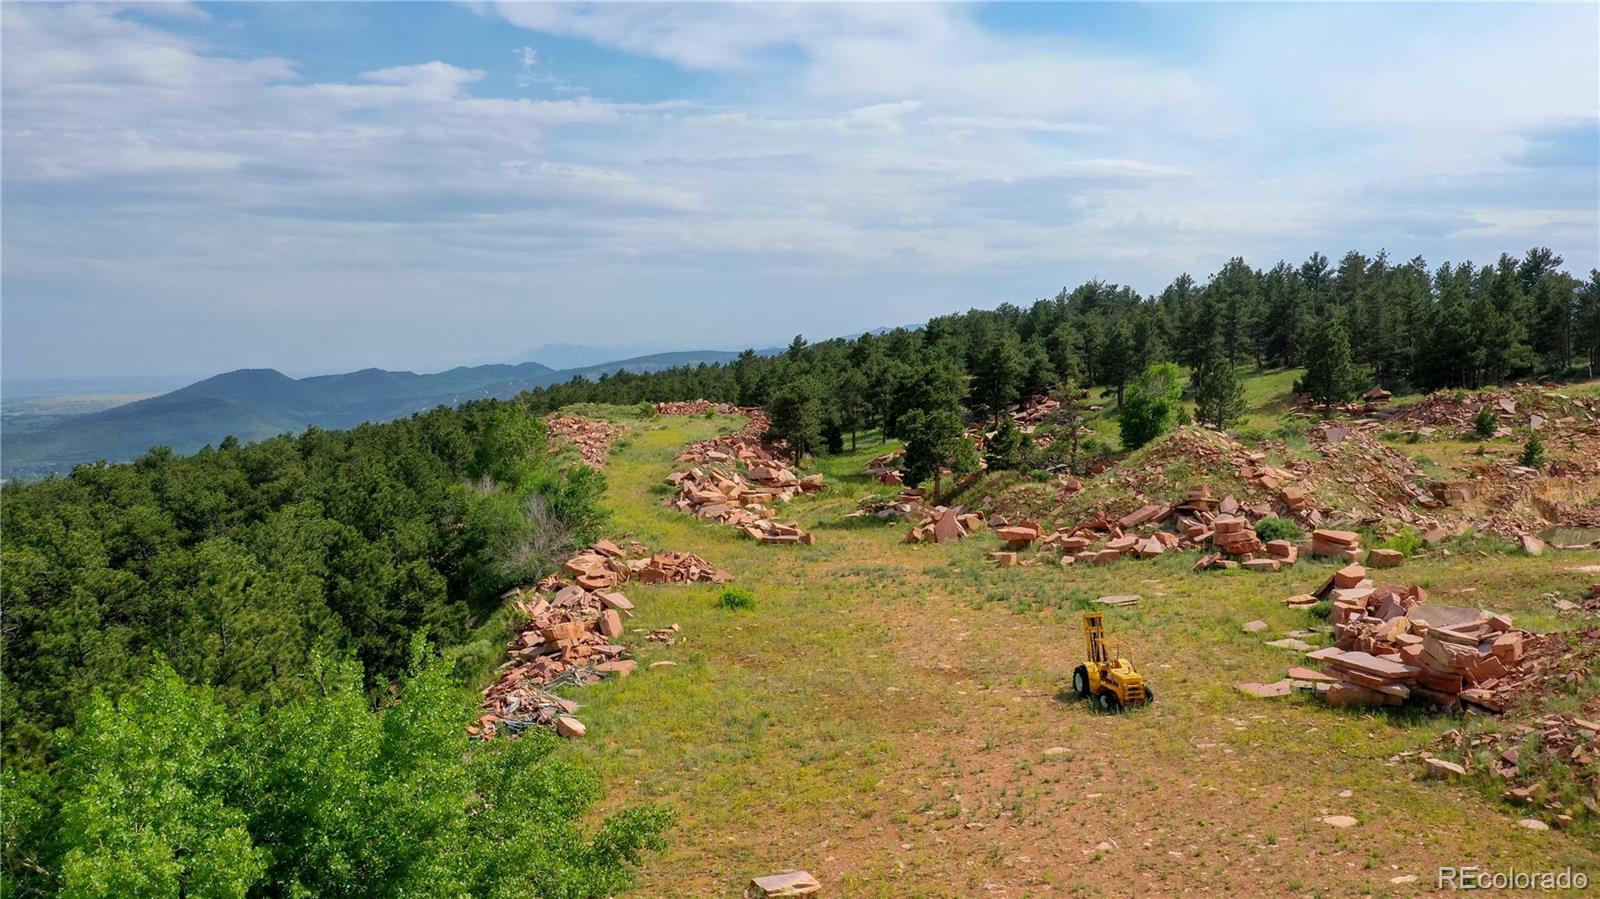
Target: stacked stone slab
{"points": [[736, 477], [569, 629], [1392, 645], [591, 438], [1336, 544]]}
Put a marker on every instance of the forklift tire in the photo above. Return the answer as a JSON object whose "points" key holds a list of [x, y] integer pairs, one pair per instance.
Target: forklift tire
{"points": [[1080, 682], [1109, 703], [1149, 696]]}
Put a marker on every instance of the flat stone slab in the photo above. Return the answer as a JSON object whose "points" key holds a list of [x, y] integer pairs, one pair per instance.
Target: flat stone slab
{"points": [[1119, 599], [1340, 821], [784, 883], [1267, 691], [1367, 663], [1291, 643], [1254, 627], [1446, 769], [1434, 615]]}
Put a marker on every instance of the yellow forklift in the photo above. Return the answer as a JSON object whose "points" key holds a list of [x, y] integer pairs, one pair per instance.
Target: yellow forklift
{"points": [[1107, 678]]}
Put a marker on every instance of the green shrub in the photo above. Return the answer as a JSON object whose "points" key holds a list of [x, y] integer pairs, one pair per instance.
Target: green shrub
{"points": [[1251, 435], [737, 599], [1485, 423], [1322, 610], [164, 792], [1293, 433], [1278, 529], [1408, 541], [1152, 406]]}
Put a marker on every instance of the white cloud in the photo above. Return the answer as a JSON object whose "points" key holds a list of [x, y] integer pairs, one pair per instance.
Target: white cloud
{"points": [[865, 164], [1003, 123], [432, 80], [724, 36]]}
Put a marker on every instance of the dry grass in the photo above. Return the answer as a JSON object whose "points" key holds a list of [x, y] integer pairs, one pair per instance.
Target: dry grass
{"points": [[882, 719]]}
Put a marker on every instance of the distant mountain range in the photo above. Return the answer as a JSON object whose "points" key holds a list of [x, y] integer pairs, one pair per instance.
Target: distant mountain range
{"points": [[252, 404]]}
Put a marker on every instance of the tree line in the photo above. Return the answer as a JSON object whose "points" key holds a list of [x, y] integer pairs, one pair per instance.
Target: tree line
{"points": [[1365, 320]]}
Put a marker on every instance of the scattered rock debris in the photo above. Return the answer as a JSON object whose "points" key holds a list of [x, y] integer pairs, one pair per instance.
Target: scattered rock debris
{"points": [[592, 438], [568, 631], [698, 407], [735, 476], [941, 525], [1392, 645]]}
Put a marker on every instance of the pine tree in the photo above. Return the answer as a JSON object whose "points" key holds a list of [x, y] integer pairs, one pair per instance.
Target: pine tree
{"points": [[854, 402], [932, 438], [1220, 400], [1331, 376], [1068, 417], [1117, 362], [1486, 422], [796, 417], [998, 369], [1004, 451], [1532, 451], [833, 434]]}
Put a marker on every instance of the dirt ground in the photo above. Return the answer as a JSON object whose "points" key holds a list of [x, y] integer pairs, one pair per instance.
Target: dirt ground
{"points": [[890, 718]]}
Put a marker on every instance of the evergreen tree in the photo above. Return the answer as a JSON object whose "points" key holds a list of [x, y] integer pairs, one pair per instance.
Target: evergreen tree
{"points": [[1004, 451], [1068, 418], [1236, 292], [1283, 296], [1220, 400], [1532, 451], [1586, 326], [1117, 363], [854, 402], [1486, 422], [1330, 376], [998, 369], [1039, 376], [796, 417], [933, 437]]}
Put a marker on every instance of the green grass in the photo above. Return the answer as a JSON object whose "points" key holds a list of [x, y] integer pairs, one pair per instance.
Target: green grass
{"points": [[885, 695]]}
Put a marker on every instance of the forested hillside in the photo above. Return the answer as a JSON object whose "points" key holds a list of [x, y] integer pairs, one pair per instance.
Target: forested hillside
{"points": [[241, 643], [1399, 324], [238, 565]]}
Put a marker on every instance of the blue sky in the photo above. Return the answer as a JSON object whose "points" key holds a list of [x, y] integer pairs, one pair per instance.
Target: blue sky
{"points": [[323, 187]]}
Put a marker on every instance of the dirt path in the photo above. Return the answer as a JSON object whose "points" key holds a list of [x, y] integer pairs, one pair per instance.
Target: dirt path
{"points": [[888, 719]]}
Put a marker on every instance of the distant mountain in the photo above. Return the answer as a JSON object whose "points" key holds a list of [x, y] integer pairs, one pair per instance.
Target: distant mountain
{"points": [[564, 356], [253, 404]]}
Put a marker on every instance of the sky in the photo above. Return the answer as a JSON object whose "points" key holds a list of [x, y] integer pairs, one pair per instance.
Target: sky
{"points": [[189, 189]]}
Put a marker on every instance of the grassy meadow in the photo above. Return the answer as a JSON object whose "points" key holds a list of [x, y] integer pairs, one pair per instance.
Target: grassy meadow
{"points": [[891, 717]]}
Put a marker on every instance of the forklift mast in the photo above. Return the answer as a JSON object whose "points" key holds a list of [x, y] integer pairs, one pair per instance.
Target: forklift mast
{"points": [[1094, 630]]}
